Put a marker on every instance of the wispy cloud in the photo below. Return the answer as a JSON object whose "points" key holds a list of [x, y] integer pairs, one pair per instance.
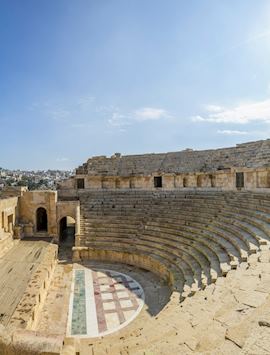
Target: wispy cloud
{"points": [[252, 39], [64, 109], [85, 112], [85, 102], [119, 119], [258, 111], [213, 108], [106, 108], [229, 132], [59, 114], [81, 125], [245, 42], [150, 114]]}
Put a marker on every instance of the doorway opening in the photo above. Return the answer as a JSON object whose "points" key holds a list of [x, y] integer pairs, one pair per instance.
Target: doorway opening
{"points": [[10, 223], [42, 220], [240, 180], [158, 181], [67, 231]]}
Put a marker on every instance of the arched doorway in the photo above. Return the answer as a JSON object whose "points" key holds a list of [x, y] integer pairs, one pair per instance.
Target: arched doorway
{"points": [[67, 231], [42, 220]]}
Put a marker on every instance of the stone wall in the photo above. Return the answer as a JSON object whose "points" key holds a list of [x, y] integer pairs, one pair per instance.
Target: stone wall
{"points": [[8, 214], [69, 209], [223, 179], [248, 155], [18, 215], [27, 311], [28, 205], [188, 168]]}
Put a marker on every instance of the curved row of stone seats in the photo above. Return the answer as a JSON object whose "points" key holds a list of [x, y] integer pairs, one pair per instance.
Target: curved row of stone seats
{"points": [[253, 223], [98, 232], [176, 245], [240, 240], [185, 277], [198, 235], [194, 237], [209, 264], [179, 275], [198, 220], [245, 236]]}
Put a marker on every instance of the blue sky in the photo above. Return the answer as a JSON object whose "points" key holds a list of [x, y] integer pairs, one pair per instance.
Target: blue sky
{"points": [[94, 77]]}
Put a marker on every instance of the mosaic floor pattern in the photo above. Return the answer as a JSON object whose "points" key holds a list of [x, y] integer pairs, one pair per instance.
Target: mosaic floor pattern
{"points": [[102, 302]]}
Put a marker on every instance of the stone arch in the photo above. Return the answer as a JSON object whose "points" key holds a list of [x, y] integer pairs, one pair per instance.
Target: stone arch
{"points": [[41, 219], [66, 227]]}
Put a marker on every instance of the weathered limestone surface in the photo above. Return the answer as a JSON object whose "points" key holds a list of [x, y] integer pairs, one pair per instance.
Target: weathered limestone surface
{"points": [[25, 274], [18, 215], [193, 169], [205, 243], [195, 236], [28, 205], [249, 155], [226, 317], [8, 207]]}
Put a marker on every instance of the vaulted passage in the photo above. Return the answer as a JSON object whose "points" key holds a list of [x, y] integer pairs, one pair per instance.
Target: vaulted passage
{"points": [[67, 230], [42, 220]]}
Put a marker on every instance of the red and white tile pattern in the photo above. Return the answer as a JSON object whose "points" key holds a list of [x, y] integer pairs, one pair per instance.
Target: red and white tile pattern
{"points": [[113, 300]]}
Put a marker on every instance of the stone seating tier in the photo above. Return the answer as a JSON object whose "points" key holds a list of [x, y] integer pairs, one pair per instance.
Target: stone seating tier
{"points": [[197, 235]]}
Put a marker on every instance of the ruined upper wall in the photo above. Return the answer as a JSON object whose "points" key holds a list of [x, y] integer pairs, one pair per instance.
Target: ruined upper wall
{"points": [[248, 155]]}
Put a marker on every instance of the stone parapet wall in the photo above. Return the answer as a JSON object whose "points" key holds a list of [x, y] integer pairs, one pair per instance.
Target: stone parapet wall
{"points": [[26, 313], [15, 341], [6, 243], [225, 179], [248, 155], [188, 168]]}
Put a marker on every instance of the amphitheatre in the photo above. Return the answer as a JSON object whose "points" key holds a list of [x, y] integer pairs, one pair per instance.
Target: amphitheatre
{"points": [[141, 254]]}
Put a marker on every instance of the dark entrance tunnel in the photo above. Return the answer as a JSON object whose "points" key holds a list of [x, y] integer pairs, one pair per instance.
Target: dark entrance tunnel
{"points": [[67, 231], [42, 220]]}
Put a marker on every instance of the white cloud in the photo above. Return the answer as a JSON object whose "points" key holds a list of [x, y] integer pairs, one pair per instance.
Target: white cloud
{"points": [[119, 119], [213, 108], [232, 132], [150, 113], [243, 113]]}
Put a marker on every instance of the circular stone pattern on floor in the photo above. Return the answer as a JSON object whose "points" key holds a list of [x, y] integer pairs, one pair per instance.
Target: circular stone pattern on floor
{"points": [[102, 302]]}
